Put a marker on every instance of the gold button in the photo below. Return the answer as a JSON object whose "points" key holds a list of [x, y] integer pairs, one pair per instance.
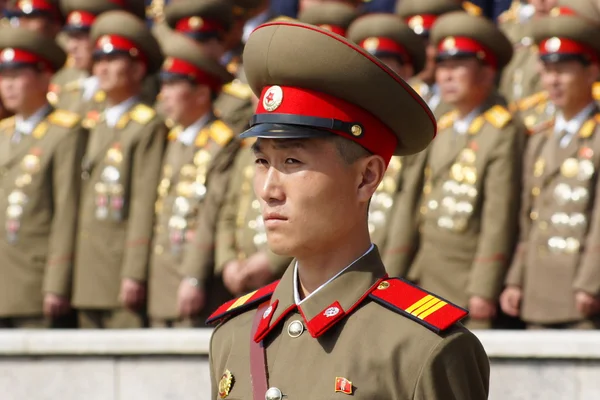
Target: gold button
{"points": [[533, 215], [535, 191], [158, 249], [383, 285]]}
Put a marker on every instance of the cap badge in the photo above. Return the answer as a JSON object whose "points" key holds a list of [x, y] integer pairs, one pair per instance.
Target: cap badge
{"points": [[416, 24], [449, 43], [331, 312], [272, 98], [326, 27], [75, 18], [26, 6], [343, 385], [552, 45], [196, 22], [225, 384], [371, 44], [8, 54], [168, 63]]}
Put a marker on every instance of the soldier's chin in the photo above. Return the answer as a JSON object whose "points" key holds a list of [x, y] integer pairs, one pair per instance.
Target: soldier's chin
{"points": [[279, 245]]}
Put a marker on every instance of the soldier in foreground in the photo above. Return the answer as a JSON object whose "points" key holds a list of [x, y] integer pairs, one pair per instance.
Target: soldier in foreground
{"points": [[560, 214], [40, 156], [120, 175], [325, 136]]}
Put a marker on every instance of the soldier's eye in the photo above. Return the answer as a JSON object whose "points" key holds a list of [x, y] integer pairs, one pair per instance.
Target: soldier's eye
{"points": [[291, 161], [260, 161]]}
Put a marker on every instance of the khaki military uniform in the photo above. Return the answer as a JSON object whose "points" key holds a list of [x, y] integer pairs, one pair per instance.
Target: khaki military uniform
{"points": [[536, 111], [470, 205], [240, 230], [558, 250], [193, 185], [324, 331], [424, 90], [520, 78], [121, 172], [38, 198], [66, 89], [234, 104]]}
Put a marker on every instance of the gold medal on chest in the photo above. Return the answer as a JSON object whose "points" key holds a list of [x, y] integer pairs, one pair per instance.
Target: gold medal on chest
{"points": [[225, 384]]}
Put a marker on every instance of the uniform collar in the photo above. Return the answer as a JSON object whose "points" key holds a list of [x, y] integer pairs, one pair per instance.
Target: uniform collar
{"points": [[188, 135], [462, 125], [90, 86], [572, 126], [26, 126], [113, 114], [328, 305]]}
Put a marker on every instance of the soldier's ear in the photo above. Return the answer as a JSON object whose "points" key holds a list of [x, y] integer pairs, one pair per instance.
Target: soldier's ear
{"points": [[372, 169], [139, 70], [593, 72]]}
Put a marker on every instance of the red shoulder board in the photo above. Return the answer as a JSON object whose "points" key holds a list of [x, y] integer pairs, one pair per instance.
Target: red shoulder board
{"points": [[418, 304], [242, 304]]}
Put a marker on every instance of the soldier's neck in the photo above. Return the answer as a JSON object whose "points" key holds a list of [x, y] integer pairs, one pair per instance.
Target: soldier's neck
{"points": [[116, 97], [31, 108], [571, 110], [320, 265], [191, 118]]}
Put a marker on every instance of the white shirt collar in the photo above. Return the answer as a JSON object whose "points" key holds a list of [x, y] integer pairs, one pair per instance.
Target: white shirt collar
{"points": [[113, 114], [26, 126], [573, 125], [296, 291], [254, 22], [462, 125], [188, 135], [435, 98], [90, 86]]}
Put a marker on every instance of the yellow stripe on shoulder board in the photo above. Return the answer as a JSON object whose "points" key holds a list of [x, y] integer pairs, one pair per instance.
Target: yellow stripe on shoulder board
{"points": [[431, 310], [419, 303], [241, 300], [220, 133]]}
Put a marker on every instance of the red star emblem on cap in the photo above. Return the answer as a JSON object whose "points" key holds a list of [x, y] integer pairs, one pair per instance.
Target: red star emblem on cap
{"points": [[269, 97]]}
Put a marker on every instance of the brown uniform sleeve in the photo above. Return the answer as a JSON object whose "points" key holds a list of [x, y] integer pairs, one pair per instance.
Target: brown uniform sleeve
{"points": [[587, 278], [145, 174], [403, 227], [499, 215], [66, 172], [199, 259], [456, 369]]}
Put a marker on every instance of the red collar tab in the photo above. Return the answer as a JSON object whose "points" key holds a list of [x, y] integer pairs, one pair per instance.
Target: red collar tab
{"points": [[375, 45], [421, 24], [80, 19], [367, 130], [555, 45], [557, 11], [460, 44], [196, 24], [241, 304], [10, 56], [418, 304], [325, 319], [178, 66], [334, 28], [109, 43]]}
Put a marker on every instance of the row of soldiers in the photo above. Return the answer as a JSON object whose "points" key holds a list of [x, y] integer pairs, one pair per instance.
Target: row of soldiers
{"points": [[128, 197]]}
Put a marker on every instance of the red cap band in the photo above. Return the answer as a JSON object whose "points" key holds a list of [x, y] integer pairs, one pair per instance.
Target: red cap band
{"points": [[197, 24], [370, 132], [109, 43], [18, 56], [45, 6], [421, 23], [556, 45], [381, 44], [182, 67], [80, 19], [334, 28], [467, 45]]}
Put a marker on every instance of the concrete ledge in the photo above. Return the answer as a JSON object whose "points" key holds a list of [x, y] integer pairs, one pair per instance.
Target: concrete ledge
{"points": [[572, 345]]}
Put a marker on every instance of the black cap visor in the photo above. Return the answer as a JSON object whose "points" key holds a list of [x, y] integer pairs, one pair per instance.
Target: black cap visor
{"points": [[284, 131], [552, 58]]}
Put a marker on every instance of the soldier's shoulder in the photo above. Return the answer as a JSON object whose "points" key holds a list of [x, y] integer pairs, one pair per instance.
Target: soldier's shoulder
{"points": [[530, 102], [418, 305], [236, 307], [142, 113], [7, 123], [220, 132], [447, 119], [498, 116], [238, 89], [64, 118]]}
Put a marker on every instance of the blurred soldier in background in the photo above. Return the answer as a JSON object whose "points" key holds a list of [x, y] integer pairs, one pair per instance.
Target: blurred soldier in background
{"points": [[385, 36], [39, 164], [554, 280], [331, 15], [43, 16], [471, 190], [120, 175], [195, 176]]}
